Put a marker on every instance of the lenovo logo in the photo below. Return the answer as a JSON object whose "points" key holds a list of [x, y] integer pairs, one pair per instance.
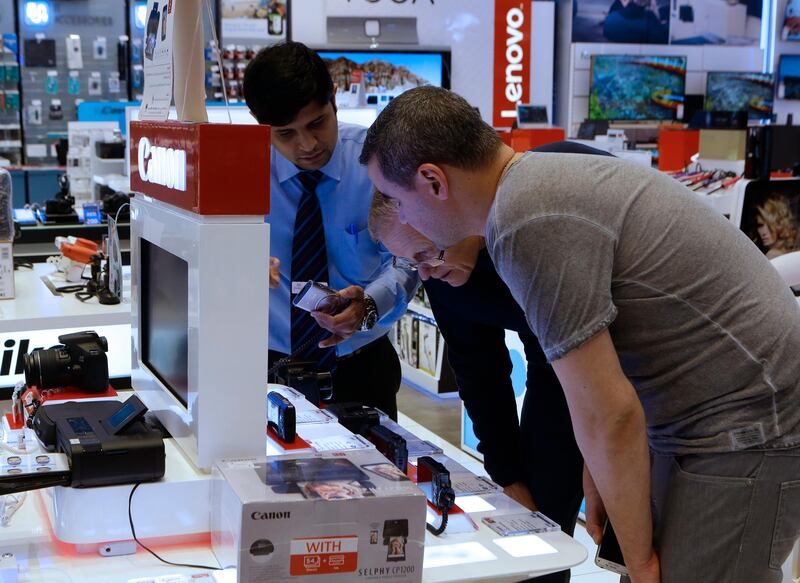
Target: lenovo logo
{"points": [[164, 166], [512, 46], [271, 515], [515, 19]]}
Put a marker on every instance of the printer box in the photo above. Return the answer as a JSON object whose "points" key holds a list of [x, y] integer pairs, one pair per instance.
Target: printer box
{"points": [[344, 516]]}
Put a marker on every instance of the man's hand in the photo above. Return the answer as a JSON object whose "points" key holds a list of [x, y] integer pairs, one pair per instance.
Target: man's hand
{"points": [[595, 509], [520, 493], [649, 572], [274, 272], [345, 323]]}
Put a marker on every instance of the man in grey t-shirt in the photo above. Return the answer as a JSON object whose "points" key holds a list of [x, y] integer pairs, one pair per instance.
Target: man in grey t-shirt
{"points": [[672, 335]]}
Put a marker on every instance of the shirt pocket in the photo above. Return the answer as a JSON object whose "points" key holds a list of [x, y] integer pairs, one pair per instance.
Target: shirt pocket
{"points": [[787, 524]]}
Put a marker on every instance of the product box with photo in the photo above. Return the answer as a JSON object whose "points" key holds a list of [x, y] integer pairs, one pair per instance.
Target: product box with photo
{"points": [[348, 516]]}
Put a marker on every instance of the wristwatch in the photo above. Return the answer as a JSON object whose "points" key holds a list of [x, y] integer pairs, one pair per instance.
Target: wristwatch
{"points": [[370, 314]]}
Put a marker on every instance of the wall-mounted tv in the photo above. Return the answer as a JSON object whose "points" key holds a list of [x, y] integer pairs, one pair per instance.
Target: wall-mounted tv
{"points": [[636, 87], [385, 74], [733, 91], [791, 21], [789, 77]]}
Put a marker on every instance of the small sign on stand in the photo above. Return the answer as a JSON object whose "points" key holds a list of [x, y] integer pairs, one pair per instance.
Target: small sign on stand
{"points": [[6, 270]]}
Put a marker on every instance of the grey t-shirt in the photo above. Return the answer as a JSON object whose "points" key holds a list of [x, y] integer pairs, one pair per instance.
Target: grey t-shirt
{"points": [[706, 330]]}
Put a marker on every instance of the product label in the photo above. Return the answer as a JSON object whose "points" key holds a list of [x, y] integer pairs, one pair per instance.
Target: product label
{"points": [[324, 555]]}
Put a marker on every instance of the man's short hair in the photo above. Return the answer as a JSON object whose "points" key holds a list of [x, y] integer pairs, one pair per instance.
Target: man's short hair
{"points": [[283, 79], [428, 125], [383, 212]]}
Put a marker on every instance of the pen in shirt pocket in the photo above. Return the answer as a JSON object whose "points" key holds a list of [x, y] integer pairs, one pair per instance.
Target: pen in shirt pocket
{"points": [[353, 231]]}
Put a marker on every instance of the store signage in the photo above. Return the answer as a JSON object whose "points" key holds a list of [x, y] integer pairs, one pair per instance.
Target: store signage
{"points": [[164, 166], [512, 58]]}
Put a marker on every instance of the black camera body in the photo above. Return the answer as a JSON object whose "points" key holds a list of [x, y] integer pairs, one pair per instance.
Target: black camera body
{"points": [[281, 416], [80, 361], [355, 417], [60, 209], [302, 376], [442, 496], [391, 445]]}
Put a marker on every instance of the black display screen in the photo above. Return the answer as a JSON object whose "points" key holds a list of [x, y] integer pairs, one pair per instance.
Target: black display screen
{"points": [[164, 325]]}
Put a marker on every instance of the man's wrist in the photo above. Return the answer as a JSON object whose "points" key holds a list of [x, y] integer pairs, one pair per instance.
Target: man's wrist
{"points": [[370, 314]]}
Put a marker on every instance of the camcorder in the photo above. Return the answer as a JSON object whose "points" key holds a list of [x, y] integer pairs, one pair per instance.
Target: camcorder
{"points": [[80, 361], [281, 416]]}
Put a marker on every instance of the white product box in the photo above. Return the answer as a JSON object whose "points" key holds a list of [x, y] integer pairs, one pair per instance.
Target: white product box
{"points": [[343, 515], [6, 271]]}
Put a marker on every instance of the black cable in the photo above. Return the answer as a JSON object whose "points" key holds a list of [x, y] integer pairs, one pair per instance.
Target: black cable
{"points": [[141, 544], [273, 369], [437, 531], [71, 289]]}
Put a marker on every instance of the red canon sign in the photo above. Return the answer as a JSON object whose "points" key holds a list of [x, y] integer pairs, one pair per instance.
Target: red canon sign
{"points": [[512, 58]]}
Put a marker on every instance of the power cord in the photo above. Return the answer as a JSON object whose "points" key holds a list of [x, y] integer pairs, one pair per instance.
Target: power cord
{"points": [[141, 544], [437, 531], [279, 363]]}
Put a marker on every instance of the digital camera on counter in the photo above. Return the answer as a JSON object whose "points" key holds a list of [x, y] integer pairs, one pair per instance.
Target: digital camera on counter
{"points": [[80, 361], [316, 386]]}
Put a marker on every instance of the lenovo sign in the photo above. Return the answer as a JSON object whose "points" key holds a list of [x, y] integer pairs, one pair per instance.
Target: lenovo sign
{"points": [[512, 58], [164, 166]]}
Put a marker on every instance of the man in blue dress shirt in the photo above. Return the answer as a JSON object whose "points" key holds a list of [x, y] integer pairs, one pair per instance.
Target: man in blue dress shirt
{"points": [[316, 178]]}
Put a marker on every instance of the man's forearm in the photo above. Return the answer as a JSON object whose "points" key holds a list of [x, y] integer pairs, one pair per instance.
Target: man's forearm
{"points": [[619, 462]]}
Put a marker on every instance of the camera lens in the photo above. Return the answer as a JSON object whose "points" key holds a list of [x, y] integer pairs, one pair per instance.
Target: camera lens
{"points": [[49, 368]]}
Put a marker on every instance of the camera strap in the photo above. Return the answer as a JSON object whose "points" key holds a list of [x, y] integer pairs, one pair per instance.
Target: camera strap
{"points": [[300, 349]]}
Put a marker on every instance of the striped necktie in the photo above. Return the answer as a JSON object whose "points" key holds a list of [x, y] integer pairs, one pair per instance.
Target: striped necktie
{"points": [[309, 262]]}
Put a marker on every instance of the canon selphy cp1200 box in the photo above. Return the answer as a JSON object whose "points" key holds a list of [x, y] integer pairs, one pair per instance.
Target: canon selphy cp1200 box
{"points": [[348, 516]]}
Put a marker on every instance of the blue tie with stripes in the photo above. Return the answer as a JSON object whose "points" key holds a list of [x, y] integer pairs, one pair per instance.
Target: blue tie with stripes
{"points": [[309, 262]]}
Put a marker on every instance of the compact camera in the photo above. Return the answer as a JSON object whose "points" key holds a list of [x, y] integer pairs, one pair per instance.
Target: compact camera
{"points": [[281, 416], [355, 417], [315, 297], [442, 495], [80, 361], [392, 446]]}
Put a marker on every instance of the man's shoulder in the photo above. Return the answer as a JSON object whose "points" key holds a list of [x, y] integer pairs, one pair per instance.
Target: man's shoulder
{"points": [[352, 133]]}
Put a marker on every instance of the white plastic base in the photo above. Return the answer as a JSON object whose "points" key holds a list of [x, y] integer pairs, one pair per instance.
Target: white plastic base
{"points": [[177, 505]]}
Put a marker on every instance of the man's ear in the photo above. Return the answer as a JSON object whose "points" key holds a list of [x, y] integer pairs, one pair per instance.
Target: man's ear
{"points": [[433, 179]]}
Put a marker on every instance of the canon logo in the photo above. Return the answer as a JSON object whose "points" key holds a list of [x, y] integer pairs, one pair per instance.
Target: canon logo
{"points": [[270, 515], [515, 18], [164, 166]]}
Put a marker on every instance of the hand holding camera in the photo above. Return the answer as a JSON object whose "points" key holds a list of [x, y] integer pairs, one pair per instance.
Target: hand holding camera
{"points": [[346, 319]]}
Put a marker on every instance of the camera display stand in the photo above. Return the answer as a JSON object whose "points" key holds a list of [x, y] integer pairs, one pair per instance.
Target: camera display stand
{"points": [[92, 517]]}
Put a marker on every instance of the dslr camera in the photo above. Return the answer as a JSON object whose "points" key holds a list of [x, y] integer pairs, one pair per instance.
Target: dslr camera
{"points": [[79, 361]]}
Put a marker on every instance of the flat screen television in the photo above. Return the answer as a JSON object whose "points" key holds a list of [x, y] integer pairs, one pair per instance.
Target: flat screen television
{"points": [[165, 317], [791, 21], [386, 74], [771, 215], [789, 77], [636, 87], [733, 91]]}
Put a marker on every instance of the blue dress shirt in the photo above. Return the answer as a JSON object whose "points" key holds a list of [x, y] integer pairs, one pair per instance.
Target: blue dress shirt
{"points": [[345, 195]]}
